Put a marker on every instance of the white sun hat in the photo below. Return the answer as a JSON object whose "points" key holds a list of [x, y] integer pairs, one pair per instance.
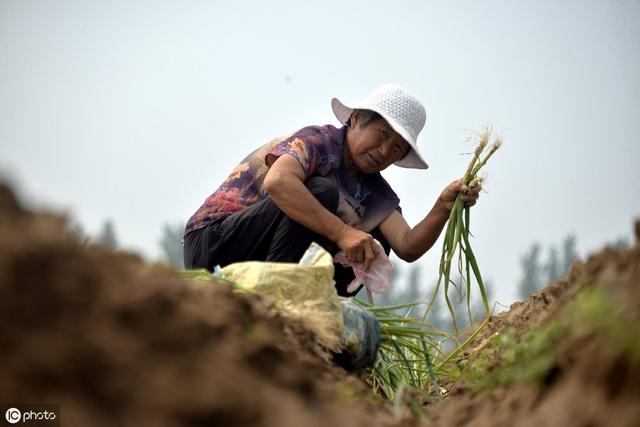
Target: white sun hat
{"points": [[403, 111]]}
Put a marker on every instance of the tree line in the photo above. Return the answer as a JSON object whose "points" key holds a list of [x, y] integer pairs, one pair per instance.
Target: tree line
{"points": [[539, 266], [170, 241]]}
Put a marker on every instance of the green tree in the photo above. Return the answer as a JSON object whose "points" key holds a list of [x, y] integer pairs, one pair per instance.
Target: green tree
{"points": [[435, 315], [478, 312], [171, 244], [75, 229], [414, 288], [411, 292], [107, 235], [569, 252], [531, 272], [620, 243], [552, 267], [535, 275]]}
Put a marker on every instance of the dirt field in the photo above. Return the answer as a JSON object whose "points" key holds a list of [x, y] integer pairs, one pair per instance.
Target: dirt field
{"points": [[116, 342], [585, 329]]}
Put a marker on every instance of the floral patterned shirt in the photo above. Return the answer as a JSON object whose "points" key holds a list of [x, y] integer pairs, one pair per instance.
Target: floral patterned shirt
{"points": [[318, 149]]}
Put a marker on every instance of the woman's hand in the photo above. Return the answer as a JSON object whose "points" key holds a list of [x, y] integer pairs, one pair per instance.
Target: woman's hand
{"points": [[358, 246], [469, 196]]}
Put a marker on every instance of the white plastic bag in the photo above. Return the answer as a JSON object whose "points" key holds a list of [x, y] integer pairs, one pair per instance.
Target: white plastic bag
{"points": [[303, 291], [377, 279]]}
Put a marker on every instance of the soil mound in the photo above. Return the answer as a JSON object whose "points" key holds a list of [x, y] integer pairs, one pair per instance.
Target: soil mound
{"points": [[569, 355], [116, 342]]}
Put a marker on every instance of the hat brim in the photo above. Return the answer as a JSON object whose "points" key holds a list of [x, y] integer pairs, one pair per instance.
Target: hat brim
{"points": [[413, 159]]}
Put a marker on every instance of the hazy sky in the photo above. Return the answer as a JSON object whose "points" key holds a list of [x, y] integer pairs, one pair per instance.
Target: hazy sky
{"points": [[137, 110]]}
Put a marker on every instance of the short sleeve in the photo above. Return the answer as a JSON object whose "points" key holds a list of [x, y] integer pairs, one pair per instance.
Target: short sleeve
{"points": [[312, 148]]}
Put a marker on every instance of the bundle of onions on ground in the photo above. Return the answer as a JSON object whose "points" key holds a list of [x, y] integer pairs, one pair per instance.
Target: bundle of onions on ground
{"points": [[457, 234]]}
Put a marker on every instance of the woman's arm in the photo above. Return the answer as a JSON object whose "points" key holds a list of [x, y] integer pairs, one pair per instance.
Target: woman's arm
{"points": [[411, 243], [285, 184]]}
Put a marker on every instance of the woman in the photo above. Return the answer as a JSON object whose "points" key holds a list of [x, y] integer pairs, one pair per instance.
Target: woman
{"points": [[323, 184]]}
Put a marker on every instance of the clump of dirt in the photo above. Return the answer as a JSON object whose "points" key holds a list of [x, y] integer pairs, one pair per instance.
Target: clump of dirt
{"points": [[569, 355], [116, 342]]}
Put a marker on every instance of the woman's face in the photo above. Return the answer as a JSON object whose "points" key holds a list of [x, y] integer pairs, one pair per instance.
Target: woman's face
{"points": [[376, 146]]}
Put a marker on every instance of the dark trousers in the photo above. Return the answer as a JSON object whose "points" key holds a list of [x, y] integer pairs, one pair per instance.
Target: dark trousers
{"points": [[262, 232]]}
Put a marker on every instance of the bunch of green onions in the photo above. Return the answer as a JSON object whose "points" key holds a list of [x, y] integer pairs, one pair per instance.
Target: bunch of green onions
{"points": [[458, 230], [411, 354], [407, 352]]}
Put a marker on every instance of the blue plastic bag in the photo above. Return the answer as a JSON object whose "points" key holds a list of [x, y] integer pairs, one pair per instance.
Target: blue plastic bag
{"points": [[361, 336]]}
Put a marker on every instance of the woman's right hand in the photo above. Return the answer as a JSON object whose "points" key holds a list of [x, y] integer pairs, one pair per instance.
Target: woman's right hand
{"points": [[358, 246]]}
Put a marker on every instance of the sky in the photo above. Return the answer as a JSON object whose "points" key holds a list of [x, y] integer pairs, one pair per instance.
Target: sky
{"points": [[135, 111]]}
